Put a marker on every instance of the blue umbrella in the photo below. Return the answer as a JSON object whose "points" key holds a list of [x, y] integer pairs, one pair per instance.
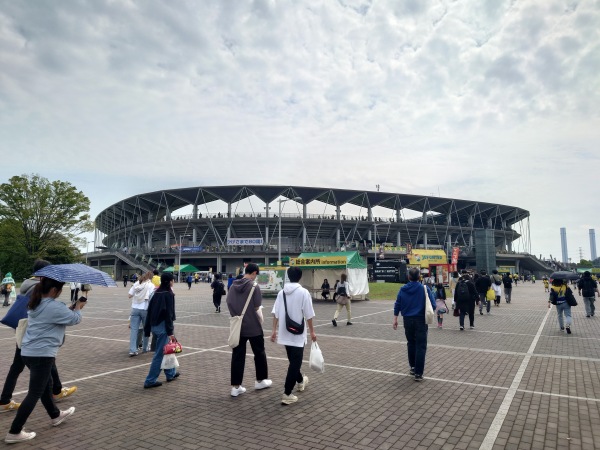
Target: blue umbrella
{"points": [[76, 273]]}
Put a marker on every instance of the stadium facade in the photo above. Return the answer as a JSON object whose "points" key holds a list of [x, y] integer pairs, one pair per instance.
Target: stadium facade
{"points": [[226, 226]]}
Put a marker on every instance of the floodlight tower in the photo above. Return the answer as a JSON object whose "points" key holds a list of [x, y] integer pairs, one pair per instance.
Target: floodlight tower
{"points": [[593, 244], [563, 245]]}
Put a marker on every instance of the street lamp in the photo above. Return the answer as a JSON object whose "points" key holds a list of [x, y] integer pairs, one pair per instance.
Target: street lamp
{"points": [[179, 271], [86, 249], [280, 201]]}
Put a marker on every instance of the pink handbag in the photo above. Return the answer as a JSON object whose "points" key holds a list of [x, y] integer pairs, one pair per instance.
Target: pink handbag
{"points": [[172, 347]]}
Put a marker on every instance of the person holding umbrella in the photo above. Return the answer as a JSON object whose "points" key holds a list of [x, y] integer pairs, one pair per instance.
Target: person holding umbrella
{"points": [[558, 296], [47, 321]]}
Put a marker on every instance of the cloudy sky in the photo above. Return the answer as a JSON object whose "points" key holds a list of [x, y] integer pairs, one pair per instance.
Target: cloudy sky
{"points": [[495, 101]]}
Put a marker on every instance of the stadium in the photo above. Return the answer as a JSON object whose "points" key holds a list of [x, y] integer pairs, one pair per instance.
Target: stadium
{"points": [[219, 228]]}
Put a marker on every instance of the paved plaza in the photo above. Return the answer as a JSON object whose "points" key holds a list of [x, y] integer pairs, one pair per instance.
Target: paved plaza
{"points": [[516, 381]]}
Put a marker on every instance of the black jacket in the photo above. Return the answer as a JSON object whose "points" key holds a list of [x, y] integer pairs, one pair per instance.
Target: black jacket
{"points": [[507, 281], [473, 295], [588, 286], [161, 309], [483, 283]]}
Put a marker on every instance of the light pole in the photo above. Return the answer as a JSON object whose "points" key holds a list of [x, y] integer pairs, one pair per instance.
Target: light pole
{"points": [[86, 249], [280, 201]]}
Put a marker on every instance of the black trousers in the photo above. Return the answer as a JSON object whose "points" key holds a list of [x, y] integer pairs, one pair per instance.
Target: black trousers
{"points": [[40, 387], [238, 359], [464, 310], [15, 370], [217, 300], [295, 355]]}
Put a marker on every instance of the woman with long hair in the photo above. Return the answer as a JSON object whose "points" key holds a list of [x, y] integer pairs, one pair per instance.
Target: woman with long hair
{"points": [[140, 297], [343, 299], [46, 324], [558, 297]]}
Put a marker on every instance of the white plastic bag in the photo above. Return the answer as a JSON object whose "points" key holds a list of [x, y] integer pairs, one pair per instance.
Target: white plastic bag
{"points": [[169, 362], [316, 361], [428, 309]]}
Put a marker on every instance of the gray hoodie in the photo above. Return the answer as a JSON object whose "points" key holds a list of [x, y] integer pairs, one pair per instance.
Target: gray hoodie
{"points": [[28, 285], [236, 299], [46, 328]]}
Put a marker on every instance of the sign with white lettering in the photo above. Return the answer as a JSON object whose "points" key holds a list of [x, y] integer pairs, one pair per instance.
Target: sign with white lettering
{"points": [[245, 241]]}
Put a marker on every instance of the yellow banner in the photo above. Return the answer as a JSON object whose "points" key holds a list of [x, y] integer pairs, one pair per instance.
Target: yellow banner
{"points": [[425, 257], [319, 261]]}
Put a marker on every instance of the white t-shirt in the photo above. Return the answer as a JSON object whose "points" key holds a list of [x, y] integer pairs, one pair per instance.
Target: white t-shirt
{"points": [[140, 294], [299, 305]]}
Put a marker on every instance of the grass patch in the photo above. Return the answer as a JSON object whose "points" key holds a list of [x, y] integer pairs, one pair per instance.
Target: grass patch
{"points": [[389, 291]]}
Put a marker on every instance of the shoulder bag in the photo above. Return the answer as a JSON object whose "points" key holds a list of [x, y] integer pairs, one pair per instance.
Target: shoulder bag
{"points": [[172, 347], [235, 322], [20, 331], [429, 315], [291, 325], [570, 298]]}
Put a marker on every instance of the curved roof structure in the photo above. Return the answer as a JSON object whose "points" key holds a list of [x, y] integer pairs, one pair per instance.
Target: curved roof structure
{"points": [[159, 203]]}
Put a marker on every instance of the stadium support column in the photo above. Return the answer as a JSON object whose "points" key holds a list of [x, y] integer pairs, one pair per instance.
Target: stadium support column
{"points": [[167, 239], [229, 210], [220, 263], [195, 211], [337, 238], [338, 213], [425, 242], [370, 214], [194, 236], [398, 239], [150, 240], [267, 226], [304, 216]]}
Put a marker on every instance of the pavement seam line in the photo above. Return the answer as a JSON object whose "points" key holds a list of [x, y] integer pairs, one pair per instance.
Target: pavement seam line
{"points": [[496, 425]]}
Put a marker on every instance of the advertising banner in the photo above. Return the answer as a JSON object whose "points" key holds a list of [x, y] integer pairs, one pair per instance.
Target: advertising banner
{"points": [[425, 257], [320, 261], [247, 241], [455, 251], [197, 248]]}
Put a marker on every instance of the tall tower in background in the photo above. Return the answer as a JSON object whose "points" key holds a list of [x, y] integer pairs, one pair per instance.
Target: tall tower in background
{"points": [[593, 244], [563, 245]]}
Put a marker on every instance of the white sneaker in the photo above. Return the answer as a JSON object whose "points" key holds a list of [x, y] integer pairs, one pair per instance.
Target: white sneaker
{"points": [[21, 437], [63, 416], [288, 399], [237, 391], [301, 386], [263, 384]]}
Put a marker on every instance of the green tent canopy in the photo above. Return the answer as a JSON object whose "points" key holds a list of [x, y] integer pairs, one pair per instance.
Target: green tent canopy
{"points": [[186, 268]]}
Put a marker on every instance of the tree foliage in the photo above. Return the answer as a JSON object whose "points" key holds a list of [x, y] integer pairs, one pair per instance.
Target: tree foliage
{"points": [[40, 219], [45, 210]]}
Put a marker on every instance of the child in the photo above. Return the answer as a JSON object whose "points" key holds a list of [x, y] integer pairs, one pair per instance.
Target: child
{"points": [[440, 303]]}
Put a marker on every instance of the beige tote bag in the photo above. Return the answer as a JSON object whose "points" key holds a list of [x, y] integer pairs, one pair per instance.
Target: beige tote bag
{"points": [[235, 322]]}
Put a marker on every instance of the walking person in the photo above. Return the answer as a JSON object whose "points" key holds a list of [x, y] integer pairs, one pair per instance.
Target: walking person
{"points": [[159, 320], [189, 281], [465, 298], [507, 281], [411, 304], [296, 302], [251, 331], [558, 297], [343, 299], [8, 289], [125, 280], [140, 297], [589, 287], [440, 304], [335, 290], [75, 287], [496, 286], [453, 282], [45, 333], [218, 292], [16, 368], [483, 283]]}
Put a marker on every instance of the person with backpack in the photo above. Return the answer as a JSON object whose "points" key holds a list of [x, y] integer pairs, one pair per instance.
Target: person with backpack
{"points": [[589, 287], [465, 298], [293, 302], [342, 294], [559, 293], [496, 286], [483, 283], [218, 291], [507, 281]]}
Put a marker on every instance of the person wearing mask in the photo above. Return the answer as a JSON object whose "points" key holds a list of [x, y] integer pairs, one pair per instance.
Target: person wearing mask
{"points": [[296, 302], [343, 299], [251, 331], [411, 304], [159, 321], [140, 297], [46, 324]]}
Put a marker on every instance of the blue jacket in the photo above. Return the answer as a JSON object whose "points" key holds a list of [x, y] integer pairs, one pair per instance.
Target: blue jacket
{"points": [[46, 328], [411, 300]]}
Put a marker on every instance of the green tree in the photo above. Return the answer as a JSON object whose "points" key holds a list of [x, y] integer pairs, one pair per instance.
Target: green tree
{"points": [[40, 219], [45, 210]]}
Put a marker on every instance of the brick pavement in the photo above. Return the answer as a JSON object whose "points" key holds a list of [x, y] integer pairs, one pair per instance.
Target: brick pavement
{"points": [[364, 400]]}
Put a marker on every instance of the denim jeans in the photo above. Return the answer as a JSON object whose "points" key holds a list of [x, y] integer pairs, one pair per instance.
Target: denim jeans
{"points": [[40, 387], [415, 330], [507, 294], [563, 308], [238, 359], [138, 316], [161, 340], [295, 355], [589, 305]]}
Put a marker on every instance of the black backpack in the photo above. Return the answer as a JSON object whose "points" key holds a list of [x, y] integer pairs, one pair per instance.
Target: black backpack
{"points": [[461, 293], [587, 286]]}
